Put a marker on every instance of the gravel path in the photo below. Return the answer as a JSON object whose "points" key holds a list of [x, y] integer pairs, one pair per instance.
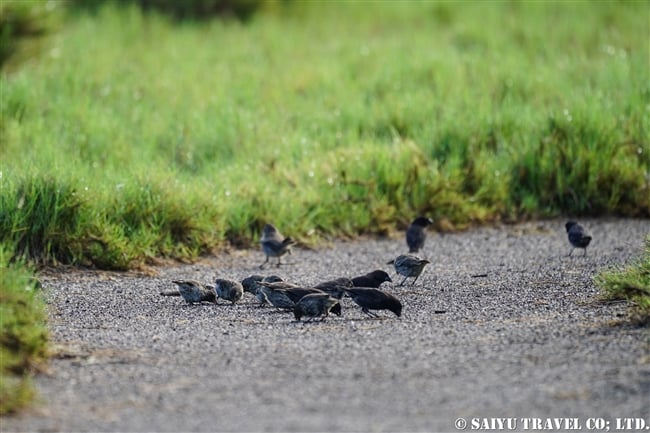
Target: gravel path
{"points": [[527, 340]]}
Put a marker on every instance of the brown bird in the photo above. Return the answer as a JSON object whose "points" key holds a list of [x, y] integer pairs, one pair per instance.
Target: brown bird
{"points": [[275, 295], [229, 290], [194, 292], [314, 305], [297, 293], [274, 244], [409, 265]]}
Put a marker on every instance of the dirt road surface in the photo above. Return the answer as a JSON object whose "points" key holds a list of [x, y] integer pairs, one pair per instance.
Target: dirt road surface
{"points": [[502, 324]]}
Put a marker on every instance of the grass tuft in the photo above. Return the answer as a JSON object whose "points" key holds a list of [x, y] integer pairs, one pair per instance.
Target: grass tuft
{"points": [[631, 283], [23, 333], [40, 218]]}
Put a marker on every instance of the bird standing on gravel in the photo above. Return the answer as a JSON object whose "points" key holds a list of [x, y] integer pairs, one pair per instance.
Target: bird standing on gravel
{"points": [[374, 299], [409, 265], [229, 290], [315, 305], [416, 234], [194, 292], [274, 244], [578, 236], [371, 279]]}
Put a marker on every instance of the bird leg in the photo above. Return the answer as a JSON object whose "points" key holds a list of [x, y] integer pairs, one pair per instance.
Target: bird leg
{"points": [[402, 283], [262, 265], [369, 313]]}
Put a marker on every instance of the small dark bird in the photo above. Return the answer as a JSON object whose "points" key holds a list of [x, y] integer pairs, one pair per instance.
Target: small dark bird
{"points": [[276, 296], [371, 279], [297, 293], [416, 234], [374, 299], [409, 266], [193, 291], [314, 305], [250, 283], [274, 244], [229, 290], [335, 288], [578, 236]]}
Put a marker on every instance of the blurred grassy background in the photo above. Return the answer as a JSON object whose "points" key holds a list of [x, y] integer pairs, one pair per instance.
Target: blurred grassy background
{"points": [[132, 130], [169, 138]]}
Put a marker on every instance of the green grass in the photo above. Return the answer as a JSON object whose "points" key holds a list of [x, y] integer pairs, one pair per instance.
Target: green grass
{"points": [[130, 137], [327, 119], [631, 283], [23, 333]]}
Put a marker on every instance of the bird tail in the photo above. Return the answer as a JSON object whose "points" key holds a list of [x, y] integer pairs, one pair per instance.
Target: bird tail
{"points": [[288, 241], [170, 293]]}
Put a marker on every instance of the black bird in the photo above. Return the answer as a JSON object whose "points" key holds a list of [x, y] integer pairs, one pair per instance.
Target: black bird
{"points": [[335, 288], [194, 292], [229, 290], [371, 279], [314, 305], [416, 234], [274, 244], [578, 236], [409, 266], [374, 299]]}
